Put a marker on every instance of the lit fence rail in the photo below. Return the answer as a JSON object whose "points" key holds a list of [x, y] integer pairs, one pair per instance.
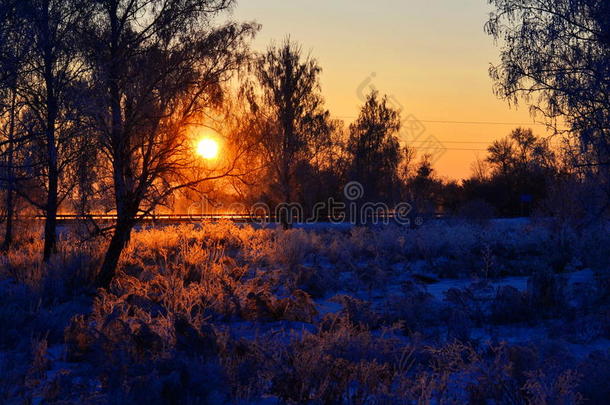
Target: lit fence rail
{"points": [[155, 217], [216, 217]]}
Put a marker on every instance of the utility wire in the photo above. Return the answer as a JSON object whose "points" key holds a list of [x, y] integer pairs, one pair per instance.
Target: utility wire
{"points": [[462, 122], [459, 123], [482, 123], [437, 148], [475, 142]]}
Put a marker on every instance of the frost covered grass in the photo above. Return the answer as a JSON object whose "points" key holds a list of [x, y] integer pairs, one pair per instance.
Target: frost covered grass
{"points": [[453, 312]]}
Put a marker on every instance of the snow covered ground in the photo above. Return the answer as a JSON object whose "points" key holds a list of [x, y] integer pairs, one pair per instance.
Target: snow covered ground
{"points": [[241, 314]]}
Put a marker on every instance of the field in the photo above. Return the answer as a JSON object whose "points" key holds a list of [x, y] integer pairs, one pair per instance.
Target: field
{"points": [[507, 311]]}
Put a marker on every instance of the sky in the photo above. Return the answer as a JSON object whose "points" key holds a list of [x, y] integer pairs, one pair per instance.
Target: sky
{"points": [[431, 57]]}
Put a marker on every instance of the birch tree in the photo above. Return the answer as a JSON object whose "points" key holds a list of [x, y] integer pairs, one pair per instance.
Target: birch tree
{"points": [[158, 67]]}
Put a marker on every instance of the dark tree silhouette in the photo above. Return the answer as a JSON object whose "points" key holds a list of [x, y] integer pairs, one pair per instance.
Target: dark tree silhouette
{"points": [[556, 55], [520, 152], [9, 116], [43, 35], [158, 67], [424, 190], [296, 127], [10, 107], [521, 166], [374, 149]]}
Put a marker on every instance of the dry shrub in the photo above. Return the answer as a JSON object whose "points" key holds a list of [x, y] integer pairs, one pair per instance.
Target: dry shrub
{"points": [[340, 363], [389, 243], [74, 266], [450, 367], [415, 308], [22, 263], [147, 312], [262, 305], [39, 365], [298, 307], [358, 311], [340, 251], [544, 389], [499, 374], [289, 248]]}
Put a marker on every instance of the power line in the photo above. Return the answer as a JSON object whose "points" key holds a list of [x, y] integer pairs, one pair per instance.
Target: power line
{"points": [[462, 122], [459, 123], [481, 123], [437, 148], [475, 142]]}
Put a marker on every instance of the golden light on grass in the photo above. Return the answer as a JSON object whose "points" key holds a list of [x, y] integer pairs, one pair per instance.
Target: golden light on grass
{"points": [[208, 148]]}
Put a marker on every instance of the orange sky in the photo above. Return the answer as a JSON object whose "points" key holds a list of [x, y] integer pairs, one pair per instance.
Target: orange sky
{"points": [[430, 56]]}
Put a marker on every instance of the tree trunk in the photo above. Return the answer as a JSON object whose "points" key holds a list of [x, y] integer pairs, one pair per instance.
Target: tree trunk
{"points": [[8, 230], [50, 228], [286, 215], [125, 216], [127, 208], [286, 219], [118, 242]]}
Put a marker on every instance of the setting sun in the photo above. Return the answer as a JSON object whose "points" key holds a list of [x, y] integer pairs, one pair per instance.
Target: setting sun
{"points": [[208, 148]]}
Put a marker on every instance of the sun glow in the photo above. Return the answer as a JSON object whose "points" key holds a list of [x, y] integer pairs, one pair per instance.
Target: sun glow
{"points": [[208, 148]]}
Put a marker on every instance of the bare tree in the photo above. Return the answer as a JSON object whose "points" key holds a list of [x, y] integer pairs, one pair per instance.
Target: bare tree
{"points": [[295, 126], [9, 111], [555, 54], [407, 163], [522, 167], [8, 124], [520, 153], [480, 169], [375, 149], [44, 35], [502, 155], [158, 68]]}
